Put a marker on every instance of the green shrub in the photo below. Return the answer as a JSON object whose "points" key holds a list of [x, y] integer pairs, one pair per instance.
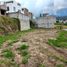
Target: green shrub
{"points": [[25, 53], [41, 65], [8, 54], [23, 47], [60, 65], [25, 60]]}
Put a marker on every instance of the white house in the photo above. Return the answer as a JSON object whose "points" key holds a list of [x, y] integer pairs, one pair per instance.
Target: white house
{"points": [[12, 6], [14, 10]]}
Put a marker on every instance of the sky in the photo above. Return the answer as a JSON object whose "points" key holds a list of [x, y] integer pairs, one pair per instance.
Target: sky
{"points": [[38, 6]]}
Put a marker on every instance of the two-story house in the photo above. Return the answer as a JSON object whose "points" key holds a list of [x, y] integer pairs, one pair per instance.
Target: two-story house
{"points": [[12, 6], [14, 10]]}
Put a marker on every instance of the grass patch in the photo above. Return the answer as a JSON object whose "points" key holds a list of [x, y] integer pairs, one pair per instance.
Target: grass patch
{"points": [[8, 63], [25, 53], [25, 60], [41, 65], [62, 59], [60, 65], [61, 40], [8, 54], [23, 47], [13, 37]]}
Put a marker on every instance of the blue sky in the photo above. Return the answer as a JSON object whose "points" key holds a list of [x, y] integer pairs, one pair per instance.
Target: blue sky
{"points": [[37, 6]]}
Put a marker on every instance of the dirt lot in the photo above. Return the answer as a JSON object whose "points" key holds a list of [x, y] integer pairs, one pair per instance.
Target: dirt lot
{"points": [[40, 51], [41, 54]]}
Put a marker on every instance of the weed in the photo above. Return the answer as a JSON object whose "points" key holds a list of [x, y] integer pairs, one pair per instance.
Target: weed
{"points": [[61, 40], [25, 60], [60, 65], [41, 65], [60, 59], [13, 37], [25, 53], [8, 53], [23, 47]]}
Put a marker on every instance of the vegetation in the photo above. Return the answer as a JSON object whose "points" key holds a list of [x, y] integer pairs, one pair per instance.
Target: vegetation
{"points": [[60, 23], [8, 54], [60, 41], [8, 25], [61, 58], [13, 37], [25, 60], [8, 63], [23, 47], [60, 65], [41, 65], [24, 52]]}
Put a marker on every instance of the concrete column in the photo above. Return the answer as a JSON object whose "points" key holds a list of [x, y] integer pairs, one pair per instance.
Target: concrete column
{"points": [[5, 13], [0, 12]]}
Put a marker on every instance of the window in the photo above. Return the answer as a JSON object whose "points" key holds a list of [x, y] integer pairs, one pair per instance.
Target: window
{"points": [[14, 8], [18, 4], [7, 8]]}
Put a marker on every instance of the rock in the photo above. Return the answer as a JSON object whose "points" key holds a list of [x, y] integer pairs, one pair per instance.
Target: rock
{"points": [[33, 62], [52, 59]]}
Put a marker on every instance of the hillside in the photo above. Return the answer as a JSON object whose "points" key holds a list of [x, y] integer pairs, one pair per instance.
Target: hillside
{"points": [[8, 25]]}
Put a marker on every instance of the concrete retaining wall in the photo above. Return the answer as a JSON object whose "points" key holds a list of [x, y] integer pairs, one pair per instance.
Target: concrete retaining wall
{"points": [[24, 20], [45, 22]]}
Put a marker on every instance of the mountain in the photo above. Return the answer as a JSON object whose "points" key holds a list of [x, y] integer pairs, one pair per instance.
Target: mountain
{"points": [[61, 17], [62, 12]]}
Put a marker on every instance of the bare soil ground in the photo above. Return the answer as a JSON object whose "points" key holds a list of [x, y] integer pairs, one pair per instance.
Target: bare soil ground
{"points": [[40, 51]]}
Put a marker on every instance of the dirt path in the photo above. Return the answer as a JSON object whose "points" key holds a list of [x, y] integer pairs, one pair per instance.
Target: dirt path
{"points": [[40, 51]]}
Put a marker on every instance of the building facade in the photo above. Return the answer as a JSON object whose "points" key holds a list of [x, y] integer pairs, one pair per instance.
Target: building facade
{"points": [[14, 10], [45, 22], [26, 12], [12, 6], [24, 20], [3, 8]]}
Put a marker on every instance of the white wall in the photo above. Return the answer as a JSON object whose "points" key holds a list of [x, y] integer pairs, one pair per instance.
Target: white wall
{"points": [[24, 20], [46, 22], [12, 5]]}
